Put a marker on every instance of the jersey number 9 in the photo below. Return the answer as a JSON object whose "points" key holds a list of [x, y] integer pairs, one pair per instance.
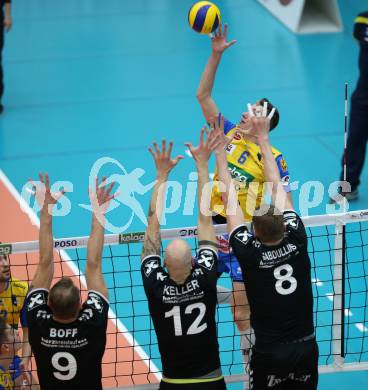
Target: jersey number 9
{"points": [[64, 372]]}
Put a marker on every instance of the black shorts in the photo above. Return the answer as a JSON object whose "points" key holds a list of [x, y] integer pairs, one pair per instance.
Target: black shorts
{"points": [[291, 366], [217, 385]]}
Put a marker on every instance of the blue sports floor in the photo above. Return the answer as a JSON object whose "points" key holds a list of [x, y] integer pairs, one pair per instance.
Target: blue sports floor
{"points": [[89, 79]]}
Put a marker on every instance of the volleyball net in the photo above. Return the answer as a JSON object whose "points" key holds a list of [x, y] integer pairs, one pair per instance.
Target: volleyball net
{"points": [[338, 248]]}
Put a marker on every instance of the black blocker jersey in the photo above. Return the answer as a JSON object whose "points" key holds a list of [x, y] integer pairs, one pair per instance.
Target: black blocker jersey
{"points": [[278, 282], [184, 316], [68, 356]]}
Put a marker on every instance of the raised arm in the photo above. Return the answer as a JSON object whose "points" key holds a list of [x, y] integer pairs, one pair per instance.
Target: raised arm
{"points": [[234, 214], [204, 92], [164, 165], [46, 201], [201, 155], [100, 201], [261, 130]]}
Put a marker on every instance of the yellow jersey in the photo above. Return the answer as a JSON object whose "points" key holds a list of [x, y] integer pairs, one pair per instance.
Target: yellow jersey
{"points": [[247, 169], [6, 381], [12, 302]]}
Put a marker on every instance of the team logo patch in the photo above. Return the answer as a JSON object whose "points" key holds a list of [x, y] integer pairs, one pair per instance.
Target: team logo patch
{"points": [[291, 220], [257, 244], [243, 236], [198, 271], [86, 315], [43, 314], [282, 164], [230, 148], [206, 259], [150, 266], [36, 300], [237, 136], [95, 301], [161, 276]]}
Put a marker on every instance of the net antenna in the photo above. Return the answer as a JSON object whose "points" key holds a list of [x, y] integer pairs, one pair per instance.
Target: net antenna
{"points": [[343, 243]]}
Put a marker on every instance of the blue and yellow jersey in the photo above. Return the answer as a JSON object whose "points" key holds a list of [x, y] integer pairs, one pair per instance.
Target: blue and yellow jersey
{"points": [[246, 167], [12, 302], [6, 381]]}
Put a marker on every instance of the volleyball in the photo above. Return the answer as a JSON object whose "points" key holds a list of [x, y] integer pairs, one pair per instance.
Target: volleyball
{"points": [[204, 17]]}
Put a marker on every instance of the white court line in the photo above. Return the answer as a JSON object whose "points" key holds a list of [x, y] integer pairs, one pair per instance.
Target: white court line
{"points": [[112, 315]]}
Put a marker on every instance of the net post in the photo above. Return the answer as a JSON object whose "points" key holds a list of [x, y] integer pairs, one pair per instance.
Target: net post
{"points": [[338, 301]]}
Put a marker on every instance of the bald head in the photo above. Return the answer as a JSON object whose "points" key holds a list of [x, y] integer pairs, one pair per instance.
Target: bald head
{"points": [[178, 256]]}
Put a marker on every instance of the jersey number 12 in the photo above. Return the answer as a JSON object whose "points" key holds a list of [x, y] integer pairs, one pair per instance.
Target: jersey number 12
{"points": [[195, 328]]}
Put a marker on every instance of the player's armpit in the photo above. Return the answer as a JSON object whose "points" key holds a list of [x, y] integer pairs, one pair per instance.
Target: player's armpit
{"points": [[151, 245], [211, 243]]}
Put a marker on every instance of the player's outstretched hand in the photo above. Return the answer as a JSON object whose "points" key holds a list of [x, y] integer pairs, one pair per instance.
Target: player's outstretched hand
{"points": [[42, 192], [260, 123], [163, 161], [101, 196], [217, 138], [202, 152], [219, 40]]}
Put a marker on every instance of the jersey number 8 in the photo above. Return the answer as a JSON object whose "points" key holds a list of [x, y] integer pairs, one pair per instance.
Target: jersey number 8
{"points": [[291, 283], [195, 328], [64, 372]]}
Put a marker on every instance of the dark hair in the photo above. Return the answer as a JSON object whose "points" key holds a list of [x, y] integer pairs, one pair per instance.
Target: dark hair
{"points": [[276, 117], [64, 299], [269, 227]]}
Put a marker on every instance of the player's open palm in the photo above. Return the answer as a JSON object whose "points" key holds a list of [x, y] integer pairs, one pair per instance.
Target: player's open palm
{"points": [[43, 194], [260, 122], [217, 139], [219, 40], [163, 161], [202, 152], [101, 196]]}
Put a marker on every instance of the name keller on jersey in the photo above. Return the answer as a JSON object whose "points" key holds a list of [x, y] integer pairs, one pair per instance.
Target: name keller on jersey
{"points": [[190, 291]]}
